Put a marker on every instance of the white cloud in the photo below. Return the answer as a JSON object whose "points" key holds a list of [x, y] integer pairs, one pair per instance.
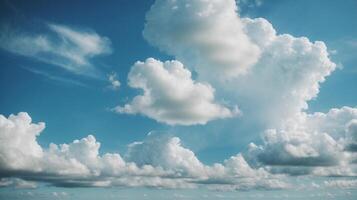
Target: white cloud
{"points": [[158, 161], [271, 76], [284, 79], [114, 82], [268, 74], [167, 152], [205, 35], [63, 46], [171, 96], [272, 85], [272, 90], [18, 146], [311, 140]]}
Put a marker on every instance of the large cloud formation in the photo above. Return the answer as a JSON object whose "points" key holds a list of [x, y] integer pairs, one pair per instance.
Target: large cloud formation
{"points": [[270, 76], [272, 84], [214, 42], [285, 78], [171, 96], [158, 161]]}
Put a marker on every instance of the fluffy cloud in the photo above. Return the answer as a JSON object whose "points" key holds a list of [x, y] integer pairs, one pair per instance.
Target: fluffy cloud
{"points": [[171, 96], [293, 67], [18, 146], [167, 152], [63, 46], [162, 150], [270, 76], [272, 84], [281, 74], [211, 38], [321, 140], [206, 35], [158, 161], [239, 56]]}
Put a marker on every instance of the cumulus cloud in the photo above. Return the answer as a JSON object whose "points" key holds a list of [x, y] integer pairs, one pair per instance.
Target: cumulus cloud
{"points": [[239, 56], [171, 96], [19, 148], [157, 161], [321, 140], [281, 74], [63, 46], [272, 83], [205, 35], [167, 152], [292, 67], [270, 76]]}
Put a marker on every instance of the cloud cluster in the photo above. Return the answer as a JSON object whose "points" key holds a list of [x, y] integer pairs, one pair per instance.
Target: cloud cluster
{"points": [[270, 76], [158, 161], [63, 46], [167, 152], [236, 56], [321, 142], [171, 96]]}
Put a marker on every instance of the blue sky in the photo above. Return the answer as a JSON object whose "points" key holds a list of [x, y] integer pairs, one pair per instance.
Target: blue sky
{"points": [[252, 92]]}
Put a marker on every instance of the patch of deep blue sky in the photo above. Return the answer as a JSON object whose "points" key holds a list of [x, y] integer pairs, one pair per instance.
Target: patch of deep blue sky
{"points": [[72, 111]]}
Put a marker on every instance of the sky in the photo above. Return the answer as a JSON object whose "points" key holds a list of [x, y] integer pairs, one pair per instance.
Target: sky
{"points": [[178, 99]]}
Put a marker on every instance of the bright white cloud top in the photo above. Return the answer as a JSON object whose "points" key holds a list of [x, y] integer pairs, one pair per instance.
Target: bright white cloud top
{"points": [[171, 96], [206, 35], [281, 72]]}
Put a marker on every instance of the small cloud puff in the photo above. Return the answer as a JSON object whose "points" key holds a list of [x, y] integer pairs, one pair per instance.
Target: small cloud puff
{"points": [[114, 82]]}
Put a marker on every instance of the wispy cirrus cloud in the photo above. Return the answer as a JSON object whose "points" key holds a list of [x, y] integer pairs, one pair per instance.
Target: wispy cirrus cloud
{"points": [[55, 77], [67, 47]]}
